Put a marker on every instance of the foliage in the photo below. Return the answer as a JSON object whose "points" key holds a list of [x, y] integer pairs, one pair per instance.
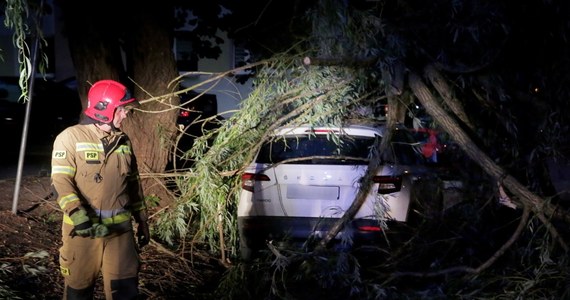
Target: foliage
{"points": [[33, 264], [17, 16], [286, 93], [287, 275], [347, 48], [16, 12], [5, 291], [430, 260], [344, 71]]}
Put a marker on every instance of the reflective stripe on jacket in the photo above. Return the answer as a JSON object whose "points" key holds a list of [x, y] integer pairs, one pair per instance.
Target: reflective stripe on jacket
{"points": [[96, 171]]}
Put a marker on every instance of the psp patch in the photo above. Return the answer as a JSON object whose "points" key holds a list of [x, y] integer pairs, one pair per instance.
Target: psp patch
{"points": [[91, 155], [64, 271], [59, 154]]}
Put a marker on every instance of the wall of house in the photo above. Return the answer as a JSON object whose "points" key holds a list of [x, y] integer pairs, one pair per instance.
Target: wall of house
{"points": [[228, 91]]}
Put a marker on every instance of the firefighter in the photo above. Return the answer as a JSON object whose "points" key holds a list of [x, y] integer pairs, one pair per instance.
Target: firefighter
{"points": [[95, 179]]}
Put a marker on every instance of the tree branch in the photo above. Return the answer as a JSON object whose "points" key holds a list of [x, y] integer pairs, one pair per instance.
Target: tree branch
{"points": [[343, 61], [503, 249], [444, 91], [538, 205], [373, 167]]}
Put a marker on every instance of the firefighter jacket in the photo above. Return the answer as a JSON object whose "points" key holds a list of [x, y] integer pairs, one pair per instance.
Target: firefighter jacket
{"points": [[97, 171]]}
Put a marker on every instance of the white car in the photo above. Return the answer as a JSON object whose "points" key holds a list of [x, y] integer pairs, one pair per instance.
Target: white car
{"points": [[305, 178]]}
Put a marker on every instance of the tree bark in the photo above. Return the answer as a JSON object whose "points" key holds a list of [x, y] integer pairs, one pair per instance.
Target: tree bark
{"points": [[446, 94], [93, 44], [153, 69]]}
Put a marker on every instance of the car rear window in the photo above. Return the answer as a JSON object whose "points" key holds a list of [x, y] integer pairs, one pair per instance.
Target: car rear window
{"points": [[317, 149]]}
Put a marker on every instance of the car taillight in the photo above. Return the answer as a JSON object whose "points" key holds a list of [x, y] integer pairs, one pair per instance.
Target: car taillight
{"points": [[184, 113], [248, 180], [369, 228], [388, 184]]}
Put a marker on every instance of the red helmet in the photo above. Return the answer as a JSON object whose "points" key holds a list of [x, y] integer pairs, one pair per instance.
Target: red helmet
{"points": [[104, 97]]}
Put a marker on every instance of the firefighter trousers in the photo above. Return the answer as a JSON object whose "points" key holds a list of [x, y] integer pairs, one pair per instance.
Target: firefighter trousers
{"points": [[115, 257]]}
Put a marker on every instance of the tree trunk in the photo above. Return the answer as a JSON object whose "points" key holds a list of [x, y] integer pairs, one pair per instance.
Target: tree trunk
{"points": [[93, 44], [154, 67], [99, 37]]}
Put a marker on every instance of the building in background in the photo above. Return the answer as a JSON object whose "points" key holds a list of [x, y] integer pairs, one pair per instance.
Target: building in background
{"points": [[228, 92]]}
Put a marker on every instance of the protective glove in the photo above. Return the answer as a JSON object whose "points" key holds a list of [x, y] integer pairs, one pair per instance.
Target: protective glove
{"points": [[81, 223], [95, 231], [143, 234], [84, 228], [99, 230]]}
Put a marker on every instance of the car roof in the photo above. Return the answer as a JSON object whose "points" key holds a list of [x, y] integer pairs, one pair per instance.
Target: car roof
{"points": [[356, 130]]}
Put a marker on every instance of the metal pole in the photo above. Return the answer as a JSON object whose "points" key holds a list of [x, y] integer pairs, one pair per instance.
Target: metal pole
{"points": [[27, 118]]}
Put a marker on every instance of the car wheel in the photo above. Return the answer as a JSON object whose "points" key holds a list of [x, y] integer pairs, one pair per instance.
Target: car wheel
{"points": [[247, 253]]}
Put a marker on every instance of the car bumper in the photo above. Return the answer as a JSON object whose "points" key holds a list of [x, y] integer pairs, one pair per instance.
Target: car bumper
{"points": [[255, 232]]}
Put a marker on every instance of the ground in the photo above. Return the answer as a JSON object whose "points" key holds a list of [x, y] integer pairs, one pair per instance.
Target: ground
{"points": [[467, 233], [30, 241]]}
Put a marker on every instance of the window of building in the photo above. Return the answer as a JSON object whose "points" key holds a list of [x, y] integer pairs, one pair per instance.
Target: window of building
{"points": [[186, 60]]}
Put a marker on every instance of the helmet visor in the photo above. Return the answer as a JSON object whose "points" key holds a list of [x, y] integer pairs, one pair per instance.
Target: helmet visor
{"points": [[128, 100]]}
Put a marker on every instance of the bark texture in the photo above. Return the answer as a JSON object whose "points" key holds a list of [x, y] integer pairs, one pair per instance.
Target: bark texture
{"points": [[154, 67], [440, 84]]}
